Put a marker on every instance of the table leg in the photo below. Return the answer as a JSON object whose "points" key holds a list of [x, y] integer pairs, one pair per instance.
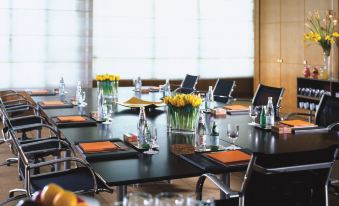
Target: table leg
{"points": [[121, 192], [226, 179]]}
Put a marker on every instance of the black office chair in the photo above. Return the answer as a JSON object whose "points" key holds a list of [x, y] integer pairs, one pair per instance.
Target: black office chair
{"points": [[263, 92], [293, 179], [78, 177], [223, 90], [188, 84], [326, 115]]}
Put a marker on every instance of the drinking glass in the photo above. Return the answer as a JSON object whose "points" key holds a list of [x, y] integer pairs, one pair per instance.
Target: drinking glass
{"points": [[107, 113], [151, 141], [253, 112], [138, 199], [169, 199], [233, 134], [192, 201], [82, 99]]}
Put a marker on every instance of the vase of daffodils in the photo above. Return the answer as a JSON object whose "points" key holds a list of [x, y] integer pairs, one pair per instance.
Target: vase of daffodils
{"points": [[321, 31], [183, 112], [109, 84]]}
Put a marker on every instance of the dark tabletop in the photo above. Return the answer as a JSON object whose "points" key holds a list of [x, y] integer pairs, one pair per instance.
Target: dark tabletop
{"points": [[165, 165]]}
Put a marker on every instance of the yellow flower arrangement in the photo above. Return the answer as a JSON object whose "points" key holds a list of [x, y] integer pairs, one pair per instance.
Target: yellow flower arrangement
{"points": [[182, 100], [107, 77], [321, 30], [183, 110], [109, 83]]}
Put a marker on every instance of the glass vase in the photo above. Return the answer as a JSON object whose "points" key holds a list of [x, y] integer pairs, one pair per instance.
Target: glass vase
{"points": [[115, 89], [327, 70], [183, 119], [107, 88]]}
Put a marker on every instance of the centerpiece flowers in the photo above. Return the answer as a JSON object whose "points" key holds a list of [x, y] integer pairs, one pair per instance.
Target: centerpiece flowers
{"points": [[321, 31], [183, 111], [109, 84]]}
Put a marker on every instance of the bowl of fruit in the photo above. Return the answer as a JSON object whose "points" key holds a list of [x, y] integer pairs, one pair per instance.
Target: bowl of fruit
{"points": [[54, 195]]}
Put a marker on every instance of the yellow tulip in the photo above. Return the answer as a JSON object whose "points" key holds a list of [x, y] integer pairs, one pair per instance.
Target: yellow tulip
{"points": [[335, 34]]}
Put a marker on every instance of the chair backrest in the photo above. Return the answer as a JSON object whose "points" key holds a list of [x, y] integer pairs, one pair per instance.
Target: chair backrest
{"points": [[328, 111], [298, 178], [263, 92], [223, 89], [189, 82]]}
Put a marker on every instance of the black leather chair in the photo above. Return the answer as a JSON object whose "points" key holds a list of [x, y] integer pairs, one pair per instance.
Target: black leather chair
{"points": [[293, 179], [223, 90], [188, 84], [263, 92]]}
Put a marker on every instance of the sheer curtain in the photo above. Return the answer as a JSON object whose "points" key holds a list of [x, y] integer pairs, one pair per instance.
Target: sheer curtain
{"points": [[43, 40], [169, 38]]}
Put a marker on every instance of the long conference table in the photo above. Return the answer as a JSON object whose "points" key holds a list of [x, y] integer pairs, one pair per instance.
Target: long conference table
{"points": [[165, 165]]}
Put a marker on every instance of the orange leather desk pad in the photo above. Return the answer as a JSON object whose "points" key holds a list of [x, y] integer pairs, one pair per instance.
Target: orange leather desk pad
{"points": [[52, 103], [39, 92], [297, 123], [236, 107], [94, 147], [71, 119], [228, 157]]}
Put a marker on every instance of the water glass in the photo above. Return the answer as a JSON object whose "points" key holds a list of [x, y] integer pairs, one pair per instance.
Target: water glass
{"points": [[169, 199], [82, 98], [151, 141], [233, 134], [253, 112], [138, 199]]}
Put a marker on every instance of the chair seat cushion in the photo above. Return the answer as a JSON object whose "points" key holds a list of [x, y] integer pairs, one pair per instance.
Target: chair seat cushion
{"points": [[76, 180]]}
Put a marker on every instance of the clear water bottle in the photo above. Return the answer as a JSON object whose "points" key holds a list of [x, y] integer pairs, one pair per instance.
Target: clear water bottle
{"points": [[62, 86], [209, 99], [215, 136], [100, 104], [141, 125], [269, 113], [167, 88], [138, 84], [201, 133], [78, 93]]}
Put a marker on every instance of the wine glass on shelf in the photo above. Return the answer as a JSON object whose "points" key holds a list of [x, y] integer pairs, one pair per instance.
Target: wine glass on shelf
{"points": [[233, 134], [169, 198], [253, 112]]}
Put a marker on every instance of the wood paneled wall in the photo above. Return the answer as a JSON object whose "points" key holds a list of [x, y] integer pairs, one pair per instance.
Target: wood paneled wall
{"points": [[282, 51]]}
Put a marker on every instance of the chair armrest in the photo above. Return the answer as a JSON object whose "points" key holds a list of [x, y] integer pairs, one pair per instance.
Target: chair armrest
{"points": [[217, 182], [10, 102], [332, 126], [13, 94], [36, 126], [296, 114], [21, 108]]}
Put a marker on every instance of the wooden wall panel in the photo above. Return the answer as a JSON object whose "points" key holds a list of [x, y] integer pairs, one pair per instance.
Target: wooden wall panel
{"points": [[270, 11], [292, 11], [292, 44], [289, 72], [270, 74], [270, 48]]}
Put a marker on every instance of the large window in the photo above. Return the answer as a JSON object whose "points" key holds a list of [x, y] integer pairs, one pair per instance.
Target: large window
{"points": [[42, 40], [169, 38]]}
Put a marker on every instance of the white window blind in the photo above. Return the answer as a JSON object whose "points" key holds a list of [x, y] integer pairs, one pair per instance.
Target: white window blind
{"points": [[170, 38], [42, 40]]}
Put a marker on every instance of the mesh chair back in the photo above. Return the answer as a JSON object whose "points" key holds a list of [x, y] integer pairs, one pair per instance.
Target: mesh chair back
{"points": [[298, 178], [263, 92], [328, 111], [223, 90], [189, 82]]}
